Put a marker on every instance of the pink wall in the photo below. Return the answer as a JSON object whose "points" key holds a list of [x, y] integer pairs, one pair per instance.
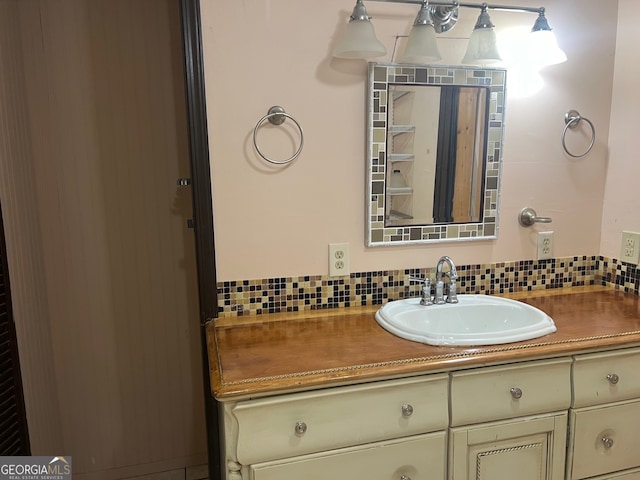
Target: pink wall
{"points": [[620, 207], [278, 221]]}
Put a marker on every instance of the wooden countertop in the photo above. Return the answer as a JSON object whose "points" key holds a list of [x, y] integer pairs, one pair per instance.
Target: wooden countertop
{"points": [[295, 351]]}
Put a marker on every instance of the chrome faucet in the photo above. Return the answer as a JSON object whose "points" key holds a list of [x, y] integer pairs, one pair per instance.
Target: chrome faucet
{"points": [[452, 294]]}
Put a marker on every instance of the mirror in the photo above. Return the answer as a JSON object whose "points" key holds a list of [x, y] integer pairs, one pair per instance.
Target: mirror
{"points": [[434, 153]]}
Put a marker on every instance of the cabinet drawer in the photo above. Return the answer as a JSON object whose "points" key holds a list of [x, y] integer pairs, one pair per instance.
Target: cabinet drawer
{"points": [[511, 391], [419, 458], [605, 439], [626, 475], [296, 424], [606, 377]]}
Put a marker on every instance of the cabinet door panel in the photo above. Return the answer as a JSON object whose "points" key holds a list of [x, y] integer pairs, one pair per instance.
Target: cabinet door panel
{"points": [[524, 459], [531, 448], [420, 458]]}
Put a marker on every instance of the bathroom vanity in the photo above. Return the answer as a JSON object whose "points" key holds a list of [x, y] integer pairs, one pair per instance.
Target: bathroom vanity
{"points": [[331, 394]]}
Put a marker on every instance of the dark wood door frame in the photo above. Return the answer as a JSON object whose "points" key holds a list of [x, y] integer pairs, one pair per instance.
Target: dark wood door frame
{"points": [[202, 207], [13, 418]]}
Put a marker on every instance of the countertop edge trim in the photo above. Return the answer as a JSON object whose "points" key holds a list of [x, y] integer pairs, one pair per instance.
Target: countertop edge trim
{"points": [[409, 361]]}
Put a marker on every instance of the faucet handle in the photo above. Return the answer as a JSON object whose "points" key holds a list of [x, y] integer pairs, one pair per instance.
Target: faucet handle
{"points": [[426, 282], [426, 289]]}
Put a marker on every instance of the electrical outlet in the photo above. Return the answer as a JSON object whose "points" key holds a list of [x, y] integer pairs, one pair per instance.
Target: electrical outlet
{"points": [[630, 249], [338, 259], [545, 245]]}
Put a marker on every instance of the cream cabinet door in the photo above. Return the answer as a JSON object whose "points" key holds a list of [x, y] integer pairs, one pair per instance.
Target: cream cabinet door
{"points": [[528, 448], [422, 457]]}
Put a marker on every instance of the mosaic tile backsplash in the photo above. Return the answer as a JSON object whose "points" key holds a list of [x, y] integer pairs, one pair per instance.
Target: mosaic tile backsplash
{"points": [[292, 294]]}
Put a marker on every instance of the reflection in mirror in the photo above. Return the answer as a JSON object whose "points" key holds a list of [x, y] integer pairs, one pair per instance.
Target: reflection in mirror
{"points": [[435, 137], [440, 156]]}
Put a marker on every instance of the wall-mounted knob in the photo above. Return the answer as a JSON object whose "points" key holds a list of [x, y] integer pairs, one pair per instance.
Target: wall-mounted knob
{"points": [[528, 217], [613, 378], [407, 410], [516, 393], [301, 428], [405, 477], [607, 442]]}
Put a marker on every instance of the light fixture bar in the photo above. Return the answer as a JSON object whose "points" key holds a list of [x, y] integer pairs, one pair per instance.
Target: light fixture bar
{"points": [[454, 4], [499, 7], [420, 2]]}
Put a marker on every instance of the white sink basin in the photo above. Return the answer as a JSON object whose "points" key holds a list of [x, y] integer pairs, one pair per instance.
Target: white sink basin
{"points": [[475, 320]]}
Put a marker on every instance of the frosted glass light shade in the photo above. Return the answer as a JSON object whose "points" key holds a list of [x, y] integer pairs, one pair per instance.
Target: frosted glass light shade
{"points": [[359, 42], [482, 48], [422, 46], [544, 49]]}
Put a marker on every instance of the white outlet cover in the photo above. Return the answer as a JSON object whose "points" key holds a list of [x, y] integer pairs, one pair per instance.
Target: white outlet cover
{"points": [[339, 259], [545, 245], [630, 248]]}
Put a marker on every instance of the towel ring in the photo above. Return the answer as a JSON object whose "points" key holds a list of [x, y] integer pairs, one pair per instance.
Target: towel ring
{"points": [[572, 119], [276, 116]]}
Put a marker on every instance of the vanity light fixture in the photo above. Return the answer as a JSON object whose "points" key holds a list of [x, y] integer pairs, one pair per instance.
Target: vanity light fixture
{"points": [[422, 46], [544, 46], [482, 47], [360, 39], [438, 16]]}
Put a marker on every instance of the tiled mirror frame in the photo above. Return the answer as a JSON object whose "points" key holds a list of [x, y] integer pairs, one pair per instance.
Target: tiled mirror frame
{"points": [[380, 76]]}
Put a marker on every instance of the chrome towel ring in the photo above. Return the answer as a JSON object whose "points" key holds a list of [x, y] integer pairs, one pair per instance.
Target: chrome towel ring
{"points": [[572, 119], [276, 116]]}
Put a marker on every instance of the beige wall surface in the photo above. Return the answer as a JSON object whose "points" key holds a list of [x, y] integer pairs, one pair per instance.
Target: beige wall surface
{"points": [[23, 239], [621, 206], [277, 221], [93, 137]]}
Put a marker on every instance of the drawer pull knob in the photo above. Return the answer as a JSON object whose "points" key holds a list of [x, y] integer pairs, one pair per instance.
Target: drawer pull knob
{"points": [[301, 428], [607, 442], [407, 411], [516, 393], [613, 378], [405, 477]]}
